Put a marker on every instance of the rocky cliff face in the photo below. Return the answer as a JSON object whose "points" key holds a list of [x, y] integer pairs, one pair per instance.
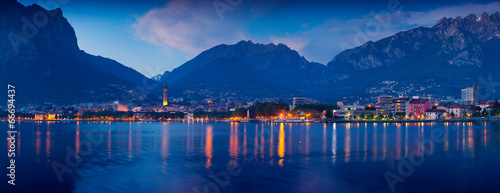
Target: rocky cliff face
{"points": [[30, 33], [39, 53], [440, 60], [457, 42]]}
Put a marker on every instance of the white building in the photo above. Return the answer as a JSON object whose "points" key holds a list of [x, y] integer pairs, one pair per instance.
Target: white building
{"points": [[457, 110], [470, 95], [301, 101], [485, 104], [435, 113]]}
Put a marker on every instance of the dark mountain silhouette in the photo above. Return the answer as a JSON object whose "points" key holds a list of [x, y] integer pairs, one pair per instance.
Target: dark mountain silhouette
{"points": [[40, 55], [249, 69]]}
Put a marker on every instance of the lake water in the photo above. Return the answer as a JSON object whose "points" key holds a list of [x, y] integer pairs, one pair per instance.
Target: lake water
{"points": [[232, 157]]}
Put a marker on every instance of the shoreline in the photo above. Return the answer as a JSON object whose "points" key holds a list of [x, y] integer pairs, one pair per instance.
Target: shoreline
{"points": [[490, 119]]}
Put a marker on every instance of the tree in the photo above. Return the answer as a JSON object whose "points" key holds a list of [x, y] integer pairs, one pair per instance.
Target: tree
{"points": [[240, 112], [329, 114], [484, 113], [496, 108], [475, 109], [315, 110], [400, 114], [269, 109], [452, 114]]}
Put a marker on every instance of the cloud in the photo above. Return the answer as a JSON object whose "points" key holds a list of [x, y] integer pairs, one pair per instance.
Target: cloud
{"points": [[322, 42], [294, 43], [190, 26]]}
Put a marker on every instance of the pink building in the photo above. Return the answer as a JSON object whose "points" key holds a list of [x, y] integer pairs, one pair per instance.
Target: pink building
{"points": [[418, 107]]}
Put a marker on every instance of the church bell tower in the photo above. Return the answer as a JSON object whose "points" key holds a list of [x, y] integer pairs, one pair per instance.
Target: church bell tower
{"points": [[165, 94]]}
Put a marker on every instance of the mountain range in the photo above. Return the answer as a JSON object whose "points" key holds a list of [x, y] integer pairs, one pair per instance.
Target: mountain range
{"points": [[43, 60], [439, 60]]}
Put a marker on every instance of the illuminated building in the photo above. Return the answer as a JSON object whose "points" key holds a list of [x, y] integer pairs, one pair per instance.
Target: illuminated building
{"points": [[39, 116], [384, 99], [165, 94], [384, 108], [435, 113], [401, 105], [418, 107], [120, 107]]}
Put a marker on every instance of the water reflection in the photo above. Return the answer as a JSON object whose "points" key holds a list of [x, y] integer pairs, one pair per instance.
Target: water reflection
{"points": [[77, 140], [271, 145], [307, 140], [109, 140], [233, 141], [374, 143], [47, 142], [256, 141], [208, 147], [245, 143], [324, 138], [398, 142], [365, 143], [38, 140], [262, 143], [334, 143], [130, 142], [164, 142], [446, 137], [347, 143], [194, 150], [281, 145]]}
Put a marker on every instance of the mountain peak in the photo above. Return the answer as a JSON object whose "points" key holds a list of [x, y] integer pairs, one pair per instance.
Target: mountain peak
{"points": [[245, 42], [48, 58], [271, 64], [443, 20], [483, 17], [495, 17], [470, 17]]}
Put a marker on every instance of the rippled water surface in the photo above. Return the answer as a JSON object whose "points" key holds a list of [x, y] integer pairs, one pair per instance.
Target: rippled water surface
{"points": [[231, 157]]}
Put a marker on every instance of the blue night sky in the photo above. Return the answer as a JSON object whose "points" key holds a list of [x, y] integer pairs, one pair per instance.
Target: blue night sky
{"points": [[152, 36]]}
